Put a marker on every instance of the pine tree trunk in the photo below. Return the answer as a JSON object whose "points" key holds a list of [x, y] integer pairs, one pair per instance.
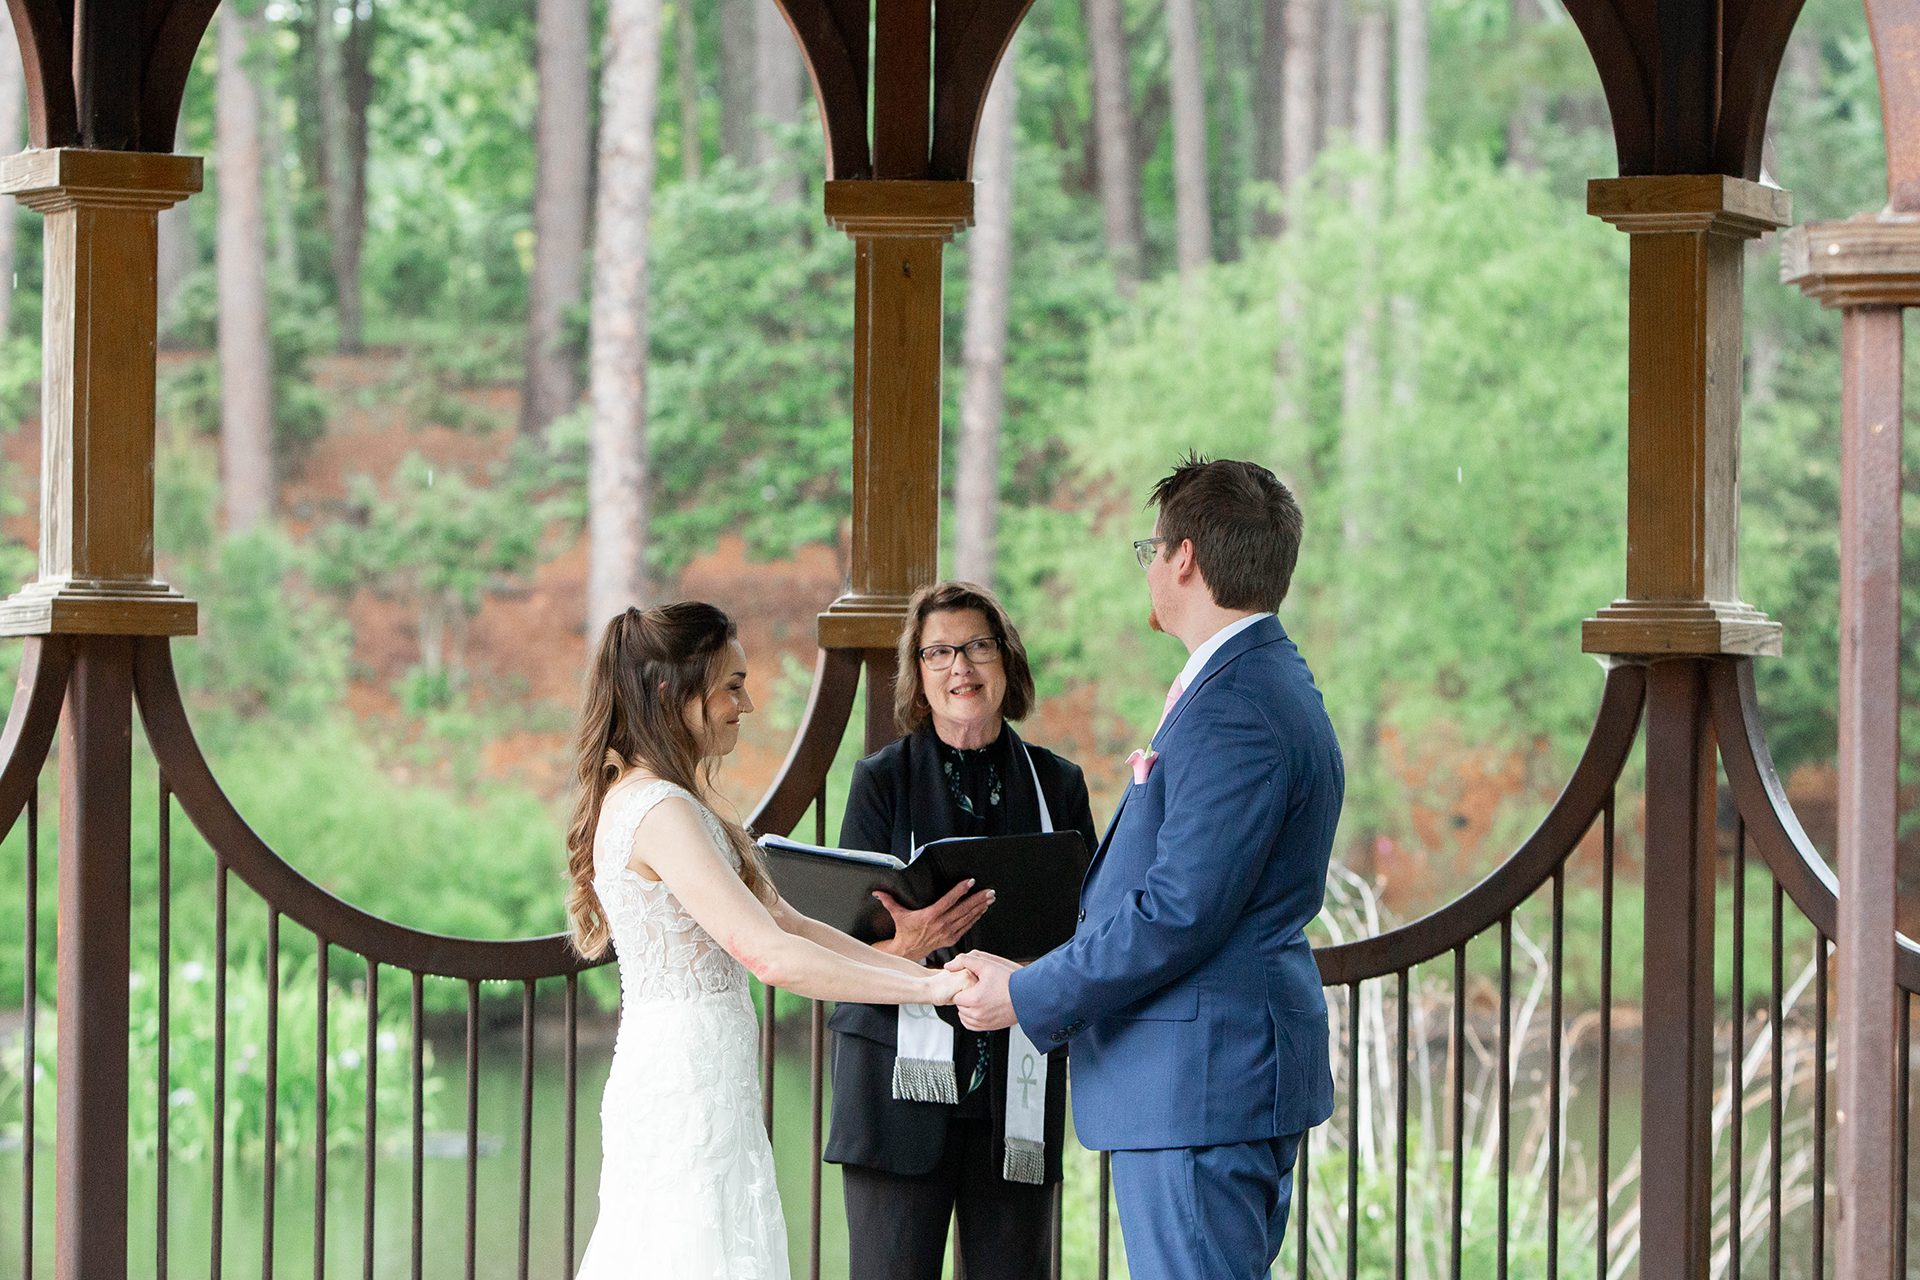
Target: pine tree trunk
{"points": [[346, 87], [617, 364], [1530, 111], [1269, 111], [1113, 137], [779, 90], [246, 373], [1229, 34], [1410, 149], [1193, 230], [1300, 113], [1359, 387], [559, 212], [686, 66], [976, 487], [1300, 143], [179, 252], [1336, 72], [1410, 87], [274, 148], [739, 58], [13, 88]]}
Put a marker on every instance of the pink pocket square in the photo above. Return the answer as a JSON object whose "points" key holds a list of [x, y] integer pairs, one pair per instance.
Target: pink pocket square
{"points": [[1141, 763]]}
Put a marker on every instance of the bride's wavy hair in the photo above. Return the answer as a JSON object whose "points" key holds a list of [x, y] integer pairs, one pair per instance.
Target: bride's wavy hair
{"points": [[650, 664]]}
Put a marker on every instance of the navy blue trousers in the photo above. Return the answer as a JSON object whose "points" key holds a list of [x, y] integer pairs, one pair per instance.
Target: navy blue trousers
{"points": [[1205, 1213]]}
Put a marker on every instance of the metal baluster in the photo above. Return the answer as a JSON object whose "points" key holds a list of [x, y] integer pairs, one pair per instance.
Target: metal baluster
{"points": [[473, 1125], [31, 1012], [372, 1120], [1459, 1053], [270, 1144], [217, 1217], [1776, 1090], [573, 1108], [164, 948], [1302, 1178], [1555, 1071], [526, 1124], [1819, 1105], [766, 1057], [1400, 1142], [418, 1021], [1106, 1198], [320, 1109], [1736, 1090], [1059, 1198], [1603, 1139], [1353, 1130], [1902, 1136], [817, 1079], [1504, 1106]]}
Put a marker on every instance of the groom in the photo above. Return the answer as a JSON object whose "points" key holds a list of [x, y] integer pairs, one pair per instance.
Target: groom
{"points": [[1189, 992]]}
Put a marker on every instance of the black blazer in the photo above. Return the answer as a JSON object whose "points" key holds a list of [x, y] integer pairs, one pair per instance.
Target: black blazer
{"points": [[899, 799]]}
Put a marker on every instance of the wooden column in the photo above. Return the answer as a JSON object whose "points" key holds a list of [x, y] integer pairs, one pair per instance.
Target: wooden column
{"points": [[94, 956], [1683, 414], [96, 579], [1870, 267], [97, 391], [1681, 606], [900, 230]]}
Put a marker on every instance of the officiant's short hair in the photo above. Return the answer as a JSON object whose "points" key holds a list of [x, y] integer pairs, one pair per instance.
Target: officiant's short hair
{"points": [[1244, 525], [910, 707]]}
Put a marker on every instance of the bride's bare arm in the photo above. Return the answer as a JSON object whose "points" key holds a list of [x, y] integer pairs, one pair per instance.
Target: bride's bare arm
{"points": [[833, 940], [680, 852]]}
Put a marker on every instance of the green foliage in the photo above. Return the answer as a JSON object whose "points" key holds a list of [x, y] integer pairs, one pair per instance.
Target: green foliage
{"points": [[1487, 524], [298, 328], [752, 357], [434, 541], [190, 1079]]}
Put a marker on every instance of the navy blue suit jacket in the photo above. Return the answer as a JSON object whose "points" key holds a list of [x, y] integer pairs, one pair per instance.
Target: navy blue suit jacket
{"points": [[1189, 991]]}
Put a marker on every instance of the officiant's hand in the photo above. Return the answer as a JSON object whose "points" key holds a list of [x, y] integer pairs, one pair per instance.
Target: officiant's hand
{"points": [[918, 934], [987, 1005]]}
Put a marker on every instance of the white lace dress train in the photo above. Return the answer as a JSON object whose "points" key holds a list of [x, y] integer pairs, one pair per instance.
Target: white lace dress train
{"points": [[687, 1187]]}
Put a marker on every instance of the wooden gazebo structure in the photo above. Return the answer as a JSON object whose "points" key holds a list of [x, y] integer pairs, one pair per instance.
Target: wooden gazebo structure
{"points": [[1688, 84]]}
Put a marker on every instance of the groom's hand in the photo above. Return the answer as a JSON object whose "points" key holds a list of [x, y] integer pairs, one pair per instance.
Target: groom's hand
{"points": [[986, 1005]]}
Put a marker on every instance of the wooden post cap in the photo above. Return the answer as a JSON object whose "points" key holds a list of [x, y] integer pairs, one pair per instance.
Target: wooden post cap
{"points": [[48, 180], [863, 622], [1690, 202], [1865, 261], [875, 207]]}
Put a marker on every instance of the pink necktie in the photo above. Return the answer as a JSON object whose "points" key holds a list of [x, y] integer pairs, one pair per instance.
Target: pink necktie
{"points": [[1173, 696]]}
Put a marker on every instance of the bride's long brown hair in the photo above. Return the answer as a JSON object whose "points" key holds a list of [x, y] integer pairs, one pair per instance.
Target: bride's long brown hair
{"points": [[650, 664]]}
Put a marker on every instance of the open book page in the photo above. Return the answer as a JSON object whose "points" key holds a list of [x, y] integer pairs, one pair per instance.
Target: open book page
{"points": [[827, 851]]}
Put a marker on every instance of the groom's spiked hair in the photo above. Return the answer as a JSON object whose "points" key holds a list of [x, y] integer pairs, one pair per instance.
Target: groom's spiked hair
{"points": [[1244, 525]]}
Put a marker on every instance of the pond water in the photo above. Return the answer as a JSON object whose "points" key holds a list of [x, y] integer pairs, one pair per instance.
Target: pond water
{"points": [[444, 1181]]}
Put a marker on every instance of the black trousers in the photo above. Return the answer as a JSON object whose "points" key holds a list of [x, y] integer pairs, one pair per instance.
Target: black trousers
{"points": [[897, 1223]]}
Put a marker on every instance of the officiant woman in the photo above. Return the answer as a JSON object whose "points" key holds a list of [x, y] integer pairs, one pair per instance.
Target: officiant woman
{"points": [[922, 1107]]}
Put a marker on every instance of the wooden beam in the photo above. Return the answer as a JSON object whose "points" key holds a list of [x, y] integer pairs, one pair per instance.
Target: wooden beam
{"points": [[899, 231], [97, 392], [1683, 414]]}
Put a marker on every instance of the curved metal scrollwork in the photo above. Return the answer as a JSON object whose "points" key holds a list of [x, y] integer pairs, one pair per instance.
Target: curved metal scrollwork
{"points": [[1763, 805], [1531, 865], [157, 692], [33, 720]]}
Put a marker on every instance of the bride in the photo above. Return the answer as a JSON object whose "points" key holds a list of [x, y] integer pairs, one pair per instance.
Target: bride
{"points": [[686, 1184]]}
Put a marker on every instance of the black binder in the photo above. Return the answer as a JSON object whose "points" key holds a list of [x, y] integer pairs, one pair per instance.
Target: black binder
{"points": [[1037, 879]]}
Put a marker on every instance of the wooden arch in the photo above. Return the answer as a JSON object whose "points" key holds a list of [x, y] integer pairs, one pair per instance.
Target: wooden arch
{"points": [[107, 74], [931, 67]]}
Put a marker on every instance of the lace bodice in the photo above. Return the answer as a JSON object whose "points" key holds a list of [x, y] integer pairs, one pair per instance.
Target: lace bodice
{"points": [[687, 1185], [664, 953]]}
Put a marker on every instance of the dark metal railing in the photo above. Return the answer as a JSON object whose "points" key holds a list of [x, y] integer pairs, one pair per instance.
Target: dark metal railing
{"points": [[1403, 1202]]}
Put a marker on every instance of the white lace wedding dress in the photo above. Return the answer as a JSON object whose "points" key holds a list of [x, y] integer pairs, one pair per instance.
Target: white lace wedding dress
{"points": [[686, 1180]]}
